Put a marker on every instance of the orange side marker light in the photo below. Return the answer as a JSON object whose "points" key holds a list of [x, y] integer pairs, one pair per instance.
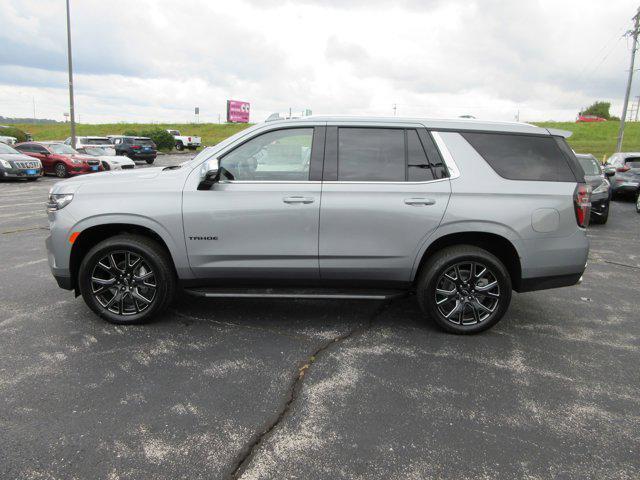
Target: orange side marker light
{"points": [[73, 237]]}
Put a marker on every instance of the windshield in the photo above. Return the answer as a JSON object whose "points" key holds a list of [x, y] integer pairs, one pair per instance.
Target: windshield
{"points": [[61, 149], [99, 151], [589, 164], [6, 149]]}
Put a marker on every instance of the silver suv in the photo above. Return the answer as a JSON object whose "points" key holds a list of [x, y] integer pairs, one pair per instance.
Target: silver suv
{"points": [[457, 212]]}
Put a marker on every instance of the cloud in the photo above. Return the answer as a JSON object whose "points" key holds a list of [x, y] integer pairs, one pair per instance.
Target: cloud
{"points": [[156, 60]]}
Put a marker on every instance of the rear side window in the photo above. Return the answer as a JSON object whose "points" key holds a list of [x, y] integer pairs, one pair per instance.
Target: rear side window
{"points": [[418, 169], [371, 155], [523, 157]]}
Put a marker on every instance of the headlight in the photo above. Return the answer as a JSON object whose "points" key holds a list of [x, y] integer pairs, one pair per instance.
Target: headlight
{"points": [[602, 188], [58, 201], [76, 161], [5, 163]]}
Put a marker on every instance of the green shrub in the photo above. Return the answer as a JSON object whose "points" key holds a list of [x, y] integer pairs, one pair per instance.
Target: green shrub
{"points": [[599, 109], [163, 139], [14, 132]]}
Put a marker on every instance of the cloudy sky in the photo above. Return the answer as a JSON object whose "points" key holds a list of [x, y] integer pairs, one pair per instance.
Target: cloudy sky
{"points": [[154, 60]]}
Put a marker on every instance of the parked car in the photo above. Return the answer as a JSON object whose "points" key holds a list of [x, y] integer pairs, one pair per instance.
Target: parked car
{"points": [[626, 180], [136, 148], [590, 118], [184, 141], [14, 164], [103, 142], [595, 176], [457, 212], [108, 158], [60, 159], [8, 140]]}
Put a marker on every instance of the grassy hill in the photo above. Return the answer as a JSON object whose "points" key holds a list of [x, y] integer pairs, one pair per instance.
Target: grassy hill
{"points": [[596, 138]]}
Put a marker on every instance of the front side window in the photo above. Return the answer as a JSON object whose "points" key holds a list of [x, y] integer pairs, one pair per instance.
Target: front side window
{"points": [[371, 155], [280, 155]]}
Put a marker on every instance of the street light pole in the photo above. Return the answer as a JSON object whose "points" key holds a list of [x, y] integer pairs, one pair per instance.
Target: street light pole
{"points": [[71, 109]]}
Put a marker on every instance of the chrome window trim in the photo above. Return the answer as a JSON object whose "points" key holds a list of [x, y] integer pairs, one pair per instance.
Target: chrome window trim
{"points": [[454, 171], [268, 182], [330, 182], [337, 182]]}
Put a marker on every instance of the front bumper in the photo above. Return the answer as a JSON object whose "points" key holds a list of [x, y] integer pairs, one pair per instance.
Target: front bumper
{"points": [[142, 156], [599, 203], [625, 187], [20, 172], [83, 169]]}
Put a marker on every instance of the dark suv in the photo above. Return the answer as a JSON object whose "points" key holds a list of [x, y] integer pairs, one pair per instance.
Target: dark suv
{"points": [[136, 148]]}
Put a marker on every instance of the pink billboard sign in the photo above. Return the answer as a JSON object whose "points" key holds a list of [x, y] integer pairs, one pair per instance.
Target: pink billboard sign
{"points": [[237, 111]]}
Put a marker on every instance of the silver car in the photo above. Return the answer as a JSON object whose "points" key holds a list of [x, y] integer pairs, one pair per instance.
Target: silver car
{"points": [[457, 212]]}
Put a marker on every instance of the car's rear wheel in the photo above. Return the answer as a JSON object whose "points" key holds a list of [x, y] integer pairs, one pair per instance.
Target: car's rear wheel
{"points": [[150, 160], [179, 146], [127, 279], [464, 289], [61, 170]]}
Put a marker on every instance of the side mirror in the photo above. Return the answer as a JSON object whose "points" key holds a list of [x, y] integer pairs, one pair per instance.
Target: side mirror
{"points": [[609, 170], [209, 174]]}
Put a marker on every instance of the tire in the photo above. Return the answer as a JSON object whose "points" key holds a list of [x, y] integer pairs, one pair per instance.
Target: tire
{"points": [[61, 170], [146, 288], [179, 146], [150, 161], [638, 201], [105, 166], [477, 311]]}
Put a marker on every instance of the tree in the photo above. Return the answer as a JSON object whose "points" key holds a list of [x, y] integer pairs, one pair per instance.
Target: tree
{"points": [[599, 109]]}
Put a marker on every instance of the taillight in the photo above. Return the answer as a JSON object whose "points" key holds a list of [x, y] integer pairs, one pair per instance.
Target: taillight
{"points": [[624, 168], [136, 147], [189, 139], [582, 204]]}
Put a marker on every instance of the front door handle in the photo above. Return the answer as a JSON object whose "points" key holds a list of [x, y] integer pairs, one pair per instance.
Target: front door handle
{"points": [[419, 201], [298, 199]]}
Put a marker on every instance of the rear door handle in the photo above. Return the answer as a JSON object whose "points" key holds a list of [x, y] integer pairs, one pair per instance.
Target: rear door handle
{"points": [[298, 199], [416, 202]]}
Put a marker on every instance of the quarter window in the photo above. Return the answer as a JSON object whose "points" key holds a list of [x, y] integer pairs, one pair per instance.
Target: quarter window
{"points": [[280, 155], [371, 155], [522, 157], [418, 169]]}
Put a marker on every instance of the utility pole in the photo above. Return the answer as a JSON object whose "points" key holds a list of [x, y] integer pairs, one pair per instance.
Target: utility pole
{"points": [[623, 117], [71, 109]]}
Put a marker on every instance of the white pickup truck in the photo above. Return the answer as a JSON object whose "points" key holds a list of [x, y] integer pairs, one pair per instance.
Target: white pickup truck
{"points": [[184, 141]]}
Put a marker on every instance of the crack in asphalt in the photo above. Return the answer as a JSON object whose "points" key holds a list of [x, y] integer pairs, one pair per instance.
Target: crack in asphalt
{"points": [[249, 452], [19, 230], [621, 264]]}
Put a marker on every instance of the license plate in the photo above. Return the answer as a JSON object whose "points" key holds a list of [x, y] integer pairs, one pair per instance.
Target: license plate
{"points": [[31, 172], [146, 149], [94, 169]]}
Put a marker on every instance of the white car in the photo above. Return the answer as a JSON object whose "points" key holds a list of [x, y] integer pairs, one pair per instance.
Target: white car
{"points": [[103, 142], [107, 157], [8, 140], [185, 141]]}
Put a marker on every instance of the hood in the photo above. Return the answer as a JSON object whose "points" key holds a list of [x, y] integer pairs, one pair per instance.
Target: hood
{"points": [[84, 158], [111, 177], [594, 180], [17, 157]]}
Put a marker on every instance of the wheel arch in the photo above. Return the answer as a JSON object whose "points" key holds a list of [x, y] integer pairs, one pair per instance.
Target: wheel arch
{"points": [[94, 234], [495, 243]]}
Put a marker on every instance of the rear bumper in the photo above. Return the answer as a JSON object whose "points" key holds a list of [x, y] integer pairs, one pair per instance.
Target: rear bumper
{"points": [[544, 283], [626, 187], [142, 156]]}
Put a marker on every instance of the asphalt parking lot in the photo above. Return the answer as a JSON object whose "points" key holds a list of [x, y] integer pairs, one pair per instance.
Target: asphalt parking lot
{"points": [[309, 389]]}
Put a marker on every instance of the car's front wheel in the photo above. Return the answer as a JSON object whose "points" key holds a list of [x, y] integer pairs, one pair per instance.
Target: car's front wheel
{"points": [[464, 289], [61, 170], [127, 279], [638, 201]]}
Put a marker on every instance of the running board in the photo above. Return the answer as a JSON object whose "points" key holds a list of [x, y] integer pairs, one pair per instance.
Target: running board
{"points": [[296, 293]]}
